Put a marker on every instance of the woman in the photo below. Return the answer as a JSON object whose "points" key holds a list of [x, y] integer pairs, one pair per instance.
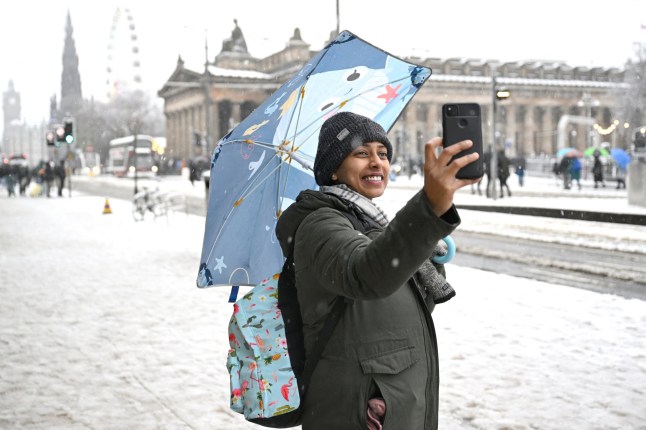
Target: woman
{"points": [[575, 172], [597, 170], [380, 369]]}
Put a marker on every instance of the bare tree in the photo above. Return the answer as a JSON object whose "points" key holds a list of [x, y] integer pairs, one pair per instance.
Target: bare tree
{"points": [[97, 123]]}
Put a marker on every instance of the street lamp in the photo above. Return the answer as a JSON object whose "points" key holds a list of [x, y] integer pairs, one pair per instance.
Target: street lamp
{"points": [[588, 102], [498, 94], [135, 125], [206, 82]]}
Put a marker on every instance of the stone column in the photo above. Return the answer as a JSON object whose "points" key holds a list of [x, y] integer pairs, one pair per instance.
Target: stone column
{"points": [[521, 134], [216, 133], [543, 133], [433, 120], [511, 128], [185, 133], [235, 114], [171, 138], [552, 122]]}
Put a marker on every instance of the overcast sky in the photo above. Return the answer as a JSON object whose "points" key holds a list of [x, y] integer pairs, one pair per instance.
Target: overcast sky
{"points": [[580, 32]]}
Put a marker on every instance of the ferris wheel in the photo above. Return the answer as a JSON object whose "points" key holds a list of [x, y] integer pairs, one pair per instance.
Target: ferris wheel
{"points": [[123, 62]]}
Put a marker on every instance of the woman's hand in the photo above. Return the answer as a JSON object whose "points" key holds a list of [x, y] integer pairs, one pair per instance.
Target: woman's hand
{"points": [[440, 183]]}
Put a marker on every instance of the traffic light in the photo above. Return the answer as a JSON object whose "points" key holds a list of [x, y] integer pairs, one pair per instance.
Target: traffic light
{"points": [[640, 140], [69, 131], [60, 136], [50, 138]]}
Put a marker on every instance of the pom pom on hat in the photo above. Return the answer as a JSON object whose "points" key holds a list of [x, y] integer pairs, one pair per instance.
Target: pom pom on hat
{"points": [[340, 135]]}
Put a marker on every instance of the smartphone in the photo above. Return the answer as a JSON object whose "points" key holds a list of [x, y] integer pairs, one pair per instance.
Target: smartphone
{"points": [[463, 121]]}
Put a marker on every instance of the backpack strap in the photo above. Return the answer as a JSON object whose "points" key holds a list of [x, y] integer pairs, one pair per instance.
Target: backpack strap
{"points": [[333, 318]]}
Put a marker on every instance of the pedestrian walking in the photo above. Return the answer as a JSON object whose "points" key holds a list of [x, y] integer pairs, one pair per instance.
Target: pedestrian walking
{"points": [[621, 177], [59, 174], [597, 170], [10, 182], [48, 177], [520, 170], [486, 161], [564, 170], [575, 172], [24, 178], [503, 173], [381, 362]]}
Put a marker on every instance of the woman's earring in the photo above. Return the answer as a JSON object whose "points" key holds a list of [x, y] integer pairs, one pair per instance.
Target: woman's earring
{"points": [[334, 177]]}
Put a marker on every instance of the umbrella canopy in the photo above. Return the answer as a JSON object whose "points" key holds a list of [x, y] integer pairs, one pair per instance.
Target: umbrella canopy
{"points": [[259, 168], [569, 152], [589, 152], [621, 157]]}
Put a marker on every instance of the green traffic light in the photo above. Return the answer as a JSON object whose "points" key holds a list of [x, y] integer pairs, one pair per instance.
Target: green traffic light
{"points": [[69, 138]]}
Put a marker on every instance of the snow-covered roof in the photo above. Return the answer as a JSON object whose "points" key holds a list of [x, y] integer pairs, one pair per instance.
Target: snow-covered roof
{"points": [[528, 81], [233, 73]]}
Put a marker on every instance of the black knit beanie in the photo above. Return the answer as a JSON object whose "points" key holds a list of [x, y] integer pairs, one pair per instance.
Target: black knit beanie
{"points": [[340, 135]]}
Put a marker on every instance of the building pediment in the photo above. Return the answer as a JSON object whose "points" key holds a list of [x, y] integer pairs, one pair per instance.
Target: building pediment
{"points": [[180, 79]]}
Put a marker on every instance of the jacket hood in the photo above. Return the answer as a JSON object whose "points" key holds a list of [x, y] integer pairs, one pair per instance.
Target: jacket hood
{"points": [[307, 202]]}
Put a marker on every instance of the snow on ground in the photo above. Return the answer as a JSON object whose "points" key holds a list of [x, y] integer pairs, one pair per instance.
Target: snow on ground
{"points": [[101, 326]]}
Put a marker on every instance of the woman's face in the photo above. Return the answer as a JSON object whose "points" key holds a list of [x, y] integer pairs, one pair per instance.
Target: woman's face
{"points": [[365, 170]]}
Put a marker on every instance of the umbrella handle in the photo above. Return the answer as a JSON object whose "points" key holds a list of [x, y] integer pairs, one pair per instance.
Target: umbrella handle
{"points": [[443, 259]]}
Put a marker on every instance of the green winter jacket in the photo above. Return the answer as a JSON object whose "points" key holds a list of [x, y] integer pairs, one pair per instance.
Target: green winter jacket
{"points": [[385, 344]]}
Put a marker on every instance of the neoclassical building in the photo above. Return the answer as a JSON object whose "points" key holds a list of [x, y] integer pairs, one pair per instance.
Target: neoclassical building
{"points": [[552, 105]]}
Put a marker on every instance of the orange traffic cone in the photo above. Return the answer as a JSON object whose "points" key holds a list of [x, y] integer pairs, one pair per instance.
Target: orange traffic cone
{"points": [[106, 207]]}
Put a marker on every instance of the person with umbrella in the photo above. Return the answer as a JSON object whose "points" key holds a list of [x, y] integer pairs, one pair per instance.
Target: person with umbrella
{"points": [[622, 159], [381, 362], [621, 177], [575, 171], [597, 170]]}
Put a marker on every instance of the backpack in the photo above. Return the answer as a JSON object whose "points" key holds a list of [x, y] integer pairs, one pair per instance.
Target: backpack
{"points": [[266, 362]]}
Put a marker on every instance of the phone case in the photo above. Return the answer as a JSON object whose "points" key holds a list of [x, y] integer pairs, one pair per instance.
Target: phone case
{"points": [[462, 121]]}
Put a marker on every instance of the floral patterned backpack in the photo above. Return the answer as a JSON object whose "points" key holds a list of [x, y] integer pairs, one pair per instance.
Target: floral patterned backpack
{"points": [[266, 359]]}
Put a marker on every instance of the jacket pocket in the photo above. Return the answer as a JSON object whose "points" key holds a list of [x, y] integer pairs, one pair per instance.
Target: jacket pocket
{"points": [[389, 362]]}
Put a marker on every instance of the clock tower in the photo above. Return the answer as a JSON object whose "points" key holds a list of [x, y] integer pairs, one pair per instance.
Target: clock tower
{"points": [[10, 105]]}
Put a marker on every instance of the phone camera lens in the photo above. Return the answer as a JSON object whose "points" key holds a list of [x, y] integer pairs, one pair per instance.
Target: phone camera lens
{"points": [[452, 110]]}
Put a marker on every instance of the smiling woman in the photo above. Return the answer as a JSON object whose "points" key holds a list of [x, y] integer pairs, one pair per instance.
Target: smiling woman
{"points": [[384, 344], [365, 170], [355, 151]]}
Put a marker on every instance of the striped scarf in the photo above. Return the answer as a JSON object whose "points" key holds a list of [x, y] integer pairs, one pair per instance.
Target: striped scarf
{"points": [[365, 204]]}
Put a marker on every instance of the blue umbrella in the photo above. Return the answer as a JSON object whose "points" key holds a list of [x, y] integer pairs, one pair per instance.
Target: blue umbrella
{"points": [[621, 157], [259, 168]]}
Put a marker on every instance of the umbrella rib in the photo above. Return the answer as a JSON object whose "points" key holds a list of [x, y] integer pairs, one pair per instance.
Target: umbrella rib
{"points": [[308, 126], [253, 185], [245, 193]]}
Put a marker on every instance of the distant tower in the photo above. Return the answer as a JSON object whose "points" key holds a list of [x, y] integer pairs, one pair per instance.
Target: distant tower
{"points": [[10, 105], [71, 95], [11, 108], [124, 64], [53, 111]]}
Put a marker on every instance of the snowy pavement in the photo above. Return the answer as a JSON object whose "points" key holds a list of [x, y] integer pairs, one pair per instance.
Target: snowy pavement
{"points": [[102, 327]]}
